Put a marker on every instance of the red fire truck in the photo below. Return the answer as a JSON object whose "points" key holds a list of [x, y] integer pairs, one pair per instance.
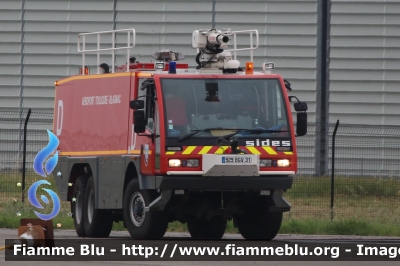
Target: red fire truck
{"points": [[156, 142]]}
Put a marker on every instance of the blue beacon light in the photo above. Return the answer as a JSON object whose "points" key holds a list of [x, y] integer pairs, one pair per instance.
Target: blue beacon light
{"points": [[172, 68]]}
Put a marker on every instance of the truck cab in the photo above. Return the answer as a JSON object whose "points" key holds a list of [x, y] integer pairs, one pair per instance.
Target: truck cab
{"points": [[156, 142]]}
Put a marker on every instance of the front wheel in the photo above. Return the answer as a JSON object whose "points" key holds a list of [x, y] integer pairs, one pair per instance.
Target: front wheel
{"points": [[258, 223], [98, 223], [207, 229], [141, 224]]}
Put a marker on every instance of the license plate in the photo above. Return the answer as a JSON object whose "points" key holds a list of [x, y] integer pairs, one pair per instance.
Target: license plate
{"points": [[238, 159]]}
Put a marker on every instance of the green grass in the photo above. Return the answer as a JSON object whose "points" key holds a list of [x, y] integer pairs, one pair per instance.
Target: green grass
{"points": [[351, 186], [350, 226], [363, 206]]}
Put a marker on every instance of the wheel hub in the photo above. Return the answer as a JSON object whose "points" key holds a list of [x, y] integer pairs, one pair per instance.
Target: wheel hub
{"points": [[136, 207]]}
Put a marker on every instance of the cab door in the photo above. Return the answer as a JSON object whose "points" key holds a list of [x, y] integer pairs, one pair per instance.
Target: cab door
{"points": [[147, 149]]}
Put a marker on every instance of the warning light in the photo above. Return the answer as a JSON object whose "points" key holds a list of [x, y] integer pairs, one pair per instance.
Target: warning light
{"points": [[249, 67], [86, 71], [159, 65], [172, 68]]}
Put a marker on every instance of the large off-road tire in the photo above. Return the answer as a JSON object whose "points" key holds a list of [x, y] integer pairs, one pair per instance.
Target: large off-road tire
{"points": [[259, 223], [97, 223], [140, 224], [207, 229], [77, 203]]}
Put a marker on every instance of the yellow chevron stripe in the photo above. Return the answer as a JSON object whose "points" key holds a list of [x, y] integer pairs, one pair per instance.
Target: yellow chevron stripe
{"points": [[288, 152], [205, 149], [189, 150], [170, 152], [270, 150], [221, 150], [253, 150]]}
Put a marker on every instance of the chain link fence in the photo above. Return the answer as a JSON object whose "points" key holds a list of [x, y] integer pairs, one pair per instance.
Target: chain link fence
{"points": [[12, 125], [366, 181]]}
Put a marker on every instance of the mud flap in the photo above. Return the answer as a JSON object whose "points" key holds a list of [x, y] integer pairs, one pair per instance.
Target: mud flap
{"points": [[279, 202]]}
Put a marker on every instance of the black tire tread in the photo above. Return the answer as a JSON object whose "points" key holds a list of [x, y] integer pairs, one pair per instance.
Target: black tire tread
{"points": [[102, 221], [80, 229], [259, 224], [155, 224], [212, 229]]}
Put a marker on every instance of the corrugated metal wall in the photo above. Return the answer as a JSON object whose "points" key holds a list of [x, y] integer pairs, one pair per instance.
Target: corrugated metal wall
{"points": [[38, 46], [39, 38], [365, 61], [365, 83], [10, 53]]}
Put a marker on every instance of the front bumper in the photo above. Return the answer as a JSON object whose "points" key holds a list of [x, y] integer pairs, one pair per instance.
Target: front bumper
{"points": [[226, 182]]}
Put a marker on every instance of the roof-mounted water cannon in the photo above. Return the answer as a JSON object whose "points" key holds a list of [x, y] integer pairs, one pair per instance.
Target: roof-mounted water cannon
{"points": [[211, 48], [210, 45], [212, 39]]}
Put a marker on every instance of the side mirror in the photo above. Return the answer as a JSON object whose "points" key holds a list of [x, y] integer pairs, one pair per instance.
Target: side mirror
{"points": [[136, 104], [139, 122], [300, 106], [301, 128]]}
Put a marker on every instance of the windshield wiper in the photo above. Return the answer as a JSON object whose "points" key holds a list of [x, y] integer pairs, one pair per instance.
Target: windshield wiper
{"points": [[203, 130], [257, 131]]}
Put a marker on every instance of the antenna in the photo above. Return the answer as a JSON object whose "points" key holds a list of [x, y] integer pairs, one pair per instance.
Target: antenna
{"points": [[213, 15]]}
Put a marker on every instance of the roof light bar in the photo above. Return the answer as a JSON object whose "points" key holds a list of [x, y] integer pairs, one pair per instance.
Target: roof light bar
{"points": [[167, 55]]}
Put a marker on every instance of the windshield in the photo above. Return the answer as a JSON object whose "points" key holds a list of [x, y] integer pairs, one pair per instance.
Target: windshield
{"points": [[227, 104]]}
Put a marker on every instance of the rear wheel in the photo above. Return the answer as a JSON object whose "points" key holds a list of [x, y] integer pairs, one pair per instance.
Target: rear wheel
{"points": [[258, 222], [78, 199], [207, 229], [140, 224], [97, 223]]}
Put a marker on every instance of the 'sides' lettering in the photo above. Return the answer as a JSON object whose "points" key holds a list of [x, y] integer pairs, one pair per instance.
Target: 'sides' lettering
{"points": [[268, 142], [91, 250]]}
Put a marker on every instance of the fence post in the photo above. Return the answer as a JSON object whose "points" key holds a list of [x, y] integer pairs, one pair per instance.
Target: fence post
{"points": [[333, 168], [24, 155]]}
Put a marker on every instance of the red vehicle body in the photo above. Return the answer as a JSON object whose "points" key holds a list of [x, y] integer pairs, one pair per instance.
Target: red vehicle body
{"points": [[143, 168]]}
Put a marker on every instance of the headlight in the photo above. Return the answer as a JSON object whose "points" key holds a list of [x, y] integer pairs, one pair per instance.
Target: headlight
{"points": [[174, 163], [265, 162], [192, 163], [283, 163]]}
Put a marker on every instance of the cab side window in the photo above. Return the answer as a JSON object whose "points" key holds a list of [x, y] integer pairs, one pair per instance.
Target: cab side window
{"points": [[149, 104]]}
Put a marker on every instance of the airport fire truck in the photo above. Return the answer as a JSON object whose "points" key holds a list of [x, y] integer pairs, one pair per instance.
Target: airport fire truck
{"points": [[148, 143]]}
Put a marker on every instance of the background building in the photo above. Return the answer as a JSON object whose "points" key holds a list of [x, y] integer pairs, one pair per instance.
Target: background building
{"points": [[340, 56], [38, 46]]}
